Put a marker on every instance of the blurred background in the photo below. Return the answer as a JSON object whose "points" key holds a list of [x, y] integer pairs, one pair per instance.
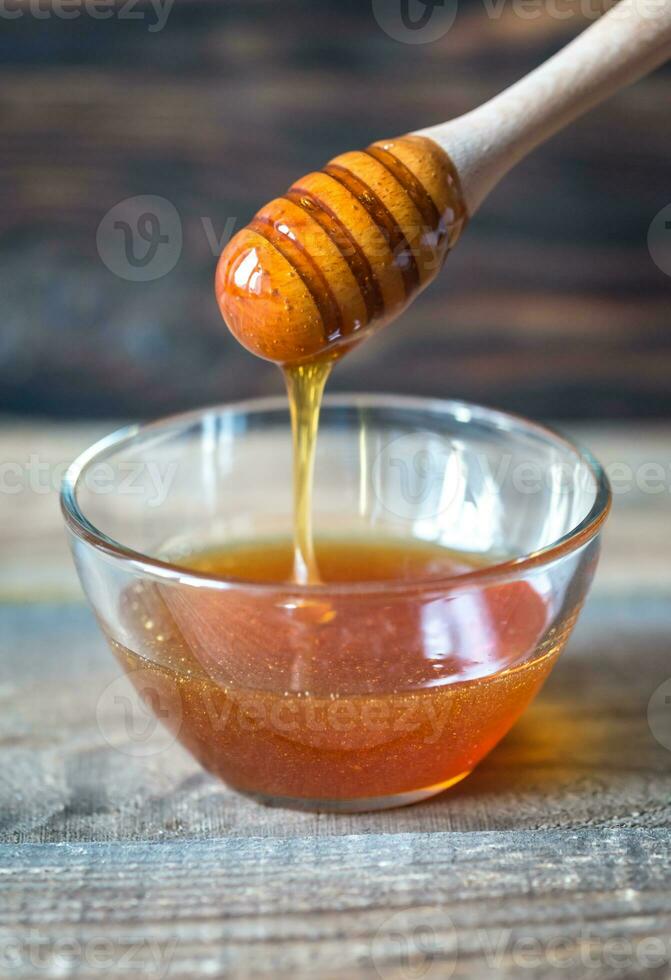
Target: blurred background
{"points": [[557, 302]]}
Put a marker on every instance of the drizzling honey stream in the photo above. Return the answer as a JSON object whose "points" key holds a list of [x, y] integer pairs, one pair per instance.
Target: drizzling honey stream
{"points": [[395, 676], [341, 254], [305, 387]]}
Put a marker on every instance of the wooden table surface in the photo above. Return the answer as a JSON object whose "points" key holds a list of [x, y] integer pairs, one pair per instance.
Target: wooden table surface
{"points": [[552, 859]]}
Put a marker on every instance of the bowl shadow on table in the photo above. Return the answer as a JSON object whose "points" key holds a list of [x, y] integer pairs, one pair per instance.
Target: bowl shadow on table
{"points": [[582, 752]]}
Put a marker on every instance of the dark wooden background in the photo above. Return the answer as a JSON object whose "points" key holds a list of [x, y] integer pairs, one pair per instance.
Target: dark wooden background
{"points": [[551, 305]]}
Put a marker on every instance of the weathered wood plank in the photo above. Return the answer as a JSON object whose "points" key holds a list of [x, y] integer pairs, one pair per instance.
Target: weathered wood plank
{"points": [[37, 566], [552, 860], [582, 756], [478, 904]]}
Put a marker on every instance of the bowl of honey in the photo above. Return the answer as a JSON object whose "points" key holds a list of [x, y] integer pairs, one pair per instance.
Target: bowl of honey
{"points": [[455, 546]]}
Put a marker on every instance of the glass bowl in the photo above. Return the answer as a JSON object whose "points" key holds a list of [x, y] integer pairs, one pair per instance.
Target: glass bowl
{"points": [[350, 695]]}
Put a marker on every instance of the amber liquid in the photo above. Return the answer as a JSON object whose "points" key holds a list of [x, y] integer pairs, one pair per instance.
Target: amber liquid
{"points": [[305, 388], [356, 697]]}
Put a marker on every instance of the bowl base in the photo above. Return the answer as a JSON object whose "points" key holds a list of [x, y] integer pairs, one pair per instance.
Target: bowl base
{"points": [[359, 804]]}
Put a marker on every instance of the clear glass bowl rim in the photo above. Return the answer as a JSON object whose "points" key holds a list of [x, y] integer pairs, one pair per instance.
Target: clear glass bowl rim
{"points": [[579, 535]]}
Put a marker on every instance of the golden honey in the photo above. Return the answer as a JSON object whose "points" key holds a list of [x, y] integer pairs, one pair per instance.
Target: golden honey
{"points": [[305, 388], [341, 695], [354, 696]]}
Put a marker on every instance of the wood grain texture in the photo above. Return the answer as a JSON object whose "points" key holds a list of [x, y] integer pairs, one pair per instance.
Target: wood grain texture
{"points": [[552, 305], [583, 755], [464, 905], [559, 840], [37, 565], [551, 860]]}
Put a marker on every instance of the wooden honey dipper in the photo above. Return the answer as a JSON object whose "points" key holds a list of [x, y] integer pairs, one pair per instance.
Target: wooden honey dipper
{"points": [[348, 247]]}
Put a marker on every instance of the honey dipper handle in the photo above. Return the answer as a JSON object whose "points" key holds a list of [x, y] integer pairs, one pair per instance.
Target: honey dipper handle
{"points": [[624, 44]]}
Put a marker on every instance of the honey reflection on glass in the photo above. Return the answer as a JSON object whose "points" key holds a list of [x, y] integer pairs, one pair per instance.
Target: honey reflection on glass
{"points": [[352, 696]]}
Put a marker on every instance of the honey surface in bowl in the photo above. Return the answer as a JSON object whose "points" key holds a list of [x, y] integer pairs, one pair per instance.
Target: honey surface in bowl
{"points": [[358, 694]]}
